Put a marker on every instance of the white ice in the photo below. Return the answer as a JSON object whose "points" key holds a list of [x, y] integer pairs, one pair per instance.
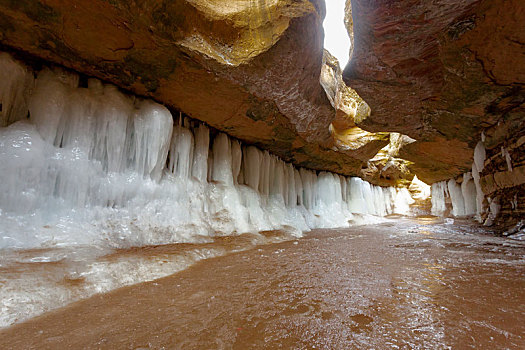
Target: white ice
{"points": [[466, 198], [95, 166]]}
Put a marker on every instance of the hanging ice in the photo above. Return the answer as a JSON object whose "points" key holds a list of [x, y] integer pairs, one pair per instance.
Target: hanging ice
{"points": [[95, 166], [439, 193], [467, 198], [456, 196], [468, 190]]}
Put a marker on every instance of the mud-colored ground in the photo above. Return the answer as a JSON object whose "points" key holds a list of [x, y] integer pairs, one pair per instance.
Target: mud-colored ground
{"points": [[409, 284]]}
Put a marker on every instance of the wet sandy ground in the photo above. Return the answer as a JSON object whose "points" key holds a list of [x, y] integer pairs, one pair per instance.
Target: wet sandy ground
{"points": [[36, 281], [407, 284]]}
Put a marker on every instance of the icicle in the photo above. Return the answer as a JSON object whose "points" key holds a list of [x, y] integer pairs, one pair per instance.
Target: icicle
{"points": [[200, 158], [480, 196], [479, 156], [327, 191], [291, 188], [112, 119], [236, 159], [458, 203], [222, 160], [356, 199], [47, 104], [477, 167], [508, 160], [307, 179], [266, 167], [438, 198], [468, 189], [370, 198], [277, 179], [343, 185], [253, 169], [153, 126], [298, 187], [181, 152]]}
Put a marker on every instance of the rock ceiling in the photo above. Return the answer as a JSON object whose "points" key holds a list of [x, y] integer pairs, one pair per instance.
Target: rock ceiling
{"points": [[436, 71]]}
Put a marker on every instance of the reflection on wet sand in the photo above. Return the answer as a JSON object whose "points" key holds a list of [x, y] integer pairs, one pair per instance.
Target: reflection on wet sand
{"points": [[405, 284], [38, 280]]}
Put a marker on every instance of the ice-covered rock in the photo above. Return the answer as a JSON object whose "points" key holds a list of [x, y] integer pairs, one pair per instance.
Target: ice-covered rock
{"points": [[96, 166]]}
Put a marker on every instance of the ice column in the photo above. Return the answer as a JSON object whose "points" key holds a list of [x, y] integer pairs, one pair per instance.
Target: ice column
{"points": [[181, 152], [200, 159], [477, 168], [456, 196], [468, 190], [439, 192]]}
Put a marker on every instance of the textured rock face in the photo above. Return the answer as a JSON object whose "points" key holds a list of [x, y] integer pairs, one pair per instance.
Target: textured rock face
{"points": [[349, 138], [440, 72], [248, 68], [503, 176]]}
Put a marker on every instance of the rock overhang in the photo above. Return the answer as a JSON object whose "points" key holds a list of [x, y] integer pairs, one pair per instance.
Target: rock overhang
{"points": [[253, 71]]}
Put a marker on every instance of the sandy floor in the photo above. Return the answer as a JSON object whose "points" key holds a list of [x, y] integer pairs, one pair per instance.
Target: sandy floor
{"points": [[409, 284]]}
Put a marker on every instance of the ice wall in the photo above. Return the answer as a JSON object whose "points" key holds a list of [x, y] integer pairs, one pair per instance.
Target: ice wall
{"points": [[92, 165], [466, 198]]}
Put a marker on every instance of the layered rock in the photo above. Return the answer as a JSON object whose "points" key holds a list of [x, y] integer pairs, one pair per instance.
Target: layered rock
{"points": [[503, 176], [439, 72], [247, 68]]}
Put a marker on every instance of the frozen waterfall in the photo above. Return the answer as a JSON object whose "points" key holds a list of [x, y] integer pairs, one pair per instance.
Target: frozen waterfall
{"points": [[92, 165]]}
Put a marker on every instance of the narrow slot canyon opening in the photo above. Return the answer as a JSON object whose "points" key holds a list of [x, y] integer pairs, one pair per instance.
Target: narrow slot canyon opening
{"points": [[381, 149], [336, 37]]}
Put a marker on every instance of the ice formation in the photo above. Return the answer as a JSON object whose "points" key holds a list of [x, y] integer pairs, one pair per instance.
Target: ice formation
{"points": [[469, 192], [494, 209], [94, 166], [505, 154], [439, 193], [466, 198], [463, 197]]}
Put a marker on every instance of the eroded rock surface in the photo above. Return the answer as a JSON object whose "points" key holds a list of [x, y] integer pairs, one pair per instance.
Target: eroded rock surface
{"points": [[437, 71], [440, 72], [247, 68], [503, 176]]}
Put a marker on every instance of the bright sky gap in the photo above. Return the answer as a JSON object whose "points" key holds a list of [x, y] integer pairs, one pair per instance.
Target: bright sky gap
{"points": [[336, 38]]}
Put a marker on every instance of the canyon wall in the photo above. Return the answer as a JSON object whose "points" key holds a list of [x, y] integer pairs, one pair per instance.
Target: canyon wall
{"points": [[427, 78], [250, 69], [503, 177], [440, 72]]}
